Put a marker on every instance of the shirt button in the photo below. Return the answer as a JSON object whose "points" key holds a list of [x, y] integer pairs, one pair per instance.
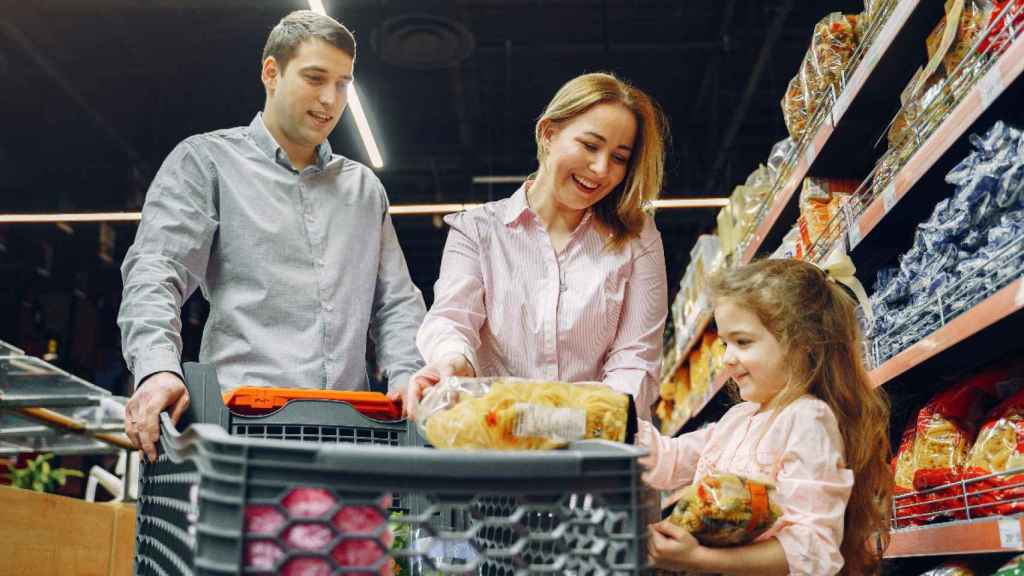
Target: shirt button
{"points": [[562, 287], [320, 262], [328, 307], [309, 218]]}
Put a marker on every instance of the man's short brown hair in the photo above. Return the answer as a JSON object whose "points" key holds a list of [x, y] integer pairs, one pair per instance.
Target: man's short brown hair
{"points": [[303, 25]]}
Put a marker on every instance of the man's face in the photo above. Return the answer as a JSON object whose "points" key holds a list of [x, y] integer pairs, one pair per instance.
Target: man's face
{"points": [[305, 102]]}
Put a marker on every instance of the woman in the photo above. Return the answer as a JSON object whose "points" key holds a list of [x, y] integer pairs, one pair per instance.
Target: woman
{"points": [[564, 280]]}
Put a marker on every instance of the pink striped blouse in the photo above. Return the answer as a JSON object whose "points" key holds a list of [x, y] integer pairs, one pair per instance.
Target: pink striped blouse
{"points": [[514, 307]]}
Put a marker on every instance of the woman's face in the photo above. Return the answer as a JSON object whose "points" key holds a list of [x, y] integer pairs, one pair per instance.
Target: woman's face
{"points": [[587, 156]]}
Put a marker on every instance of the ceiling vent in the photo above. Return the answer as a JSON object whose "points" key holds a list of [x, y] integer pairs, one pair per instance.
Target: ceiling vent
{"points": [[423, 42]]}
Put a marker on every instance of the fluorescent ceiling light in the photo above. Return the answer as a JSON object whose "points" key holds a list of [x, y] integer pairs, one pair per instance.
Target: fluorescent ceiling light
{"points": [[691, 203], [86, 217], [431, 208], [498, 179], [397, 210], [317, 6], [364, 127], [357, 108]]}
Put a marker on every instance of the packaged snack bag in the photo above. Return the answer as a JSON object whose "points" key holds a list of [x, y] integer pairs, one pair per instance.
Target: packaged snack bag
{"points": [[954, 568], [1015, 567], [726, 509], [832, 46], [520, 414]]}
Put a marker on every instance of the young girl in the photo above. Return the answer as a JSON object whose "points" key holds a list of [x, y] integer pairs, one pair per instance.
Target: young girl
{"points": [[564, 280], [811, 422]]}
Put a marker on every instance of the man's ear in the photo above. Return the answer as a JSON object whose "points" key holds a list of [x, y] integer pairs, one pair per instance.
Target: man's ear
{"points": [[269, 74]]}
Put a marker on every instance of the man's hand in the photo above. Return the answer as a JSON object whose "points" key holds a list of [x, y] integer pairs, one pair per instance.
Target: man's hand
{"points": [[430, 375], [155, 394]]}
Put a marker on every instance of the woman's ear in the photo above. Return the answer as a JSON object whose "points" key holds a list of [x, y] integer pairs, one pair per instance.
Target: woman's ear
{"points": [[547, 131]]}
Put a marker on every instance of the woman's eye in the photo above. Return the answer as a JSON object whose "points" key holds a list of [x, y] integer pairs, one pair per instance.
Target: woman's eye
{"points": [[620, 159], [590, 146]]}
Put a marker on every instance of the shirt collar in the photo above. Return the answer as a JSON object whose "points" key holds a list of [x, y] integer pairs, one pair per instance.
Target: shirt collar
{"points": [[518, 206], [264, 140]]}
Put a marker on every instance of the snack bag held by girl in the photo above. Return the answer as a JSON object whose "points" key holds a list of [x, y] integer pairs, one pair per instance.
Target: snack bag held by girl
{"points": [[812, 430]]}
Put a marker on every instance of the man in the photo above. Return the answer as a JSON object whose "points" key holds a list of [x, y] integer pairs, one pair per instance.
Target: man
{"points": [[291, 244]]}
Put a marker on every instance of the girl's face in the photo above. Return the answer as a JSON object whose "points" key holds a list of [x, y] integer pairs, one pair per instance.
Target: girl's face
{"points": [[587, 157], [754, 358]]}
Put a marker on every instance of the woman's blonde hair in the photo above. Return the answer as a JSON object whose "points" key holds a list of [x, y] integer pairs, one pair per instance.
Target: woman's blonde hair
{"points": [[622, 211], [814, 319]]}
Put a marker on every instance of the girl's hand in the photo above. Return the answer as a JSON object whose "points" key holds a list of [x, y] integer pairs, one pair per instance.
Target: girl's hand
{"points": [[670, 547]]}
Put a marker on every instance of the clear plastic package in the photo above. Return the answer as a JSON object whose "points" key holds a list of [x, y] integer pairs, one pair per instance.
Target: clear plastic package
{"points": [[726, 509], [521, 414]]}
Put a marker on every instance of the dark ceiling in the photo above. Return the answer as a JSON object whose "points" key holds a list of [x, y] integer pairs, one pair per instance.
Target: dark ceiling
{"points": [[96, 93]]}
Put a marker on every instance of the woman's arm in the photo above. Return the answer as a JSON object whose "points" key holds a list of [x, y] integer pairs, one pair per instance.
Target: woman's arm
{"points": [[633, 362], [452, 326]]}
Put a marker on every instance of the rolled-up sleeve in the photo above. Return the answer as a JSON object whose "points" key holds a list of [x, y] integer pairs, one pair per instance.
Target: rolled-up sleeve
{"points": [[398, 310], [167, 261], [813, 490], [453, 323], [633, 362], [670, 462]]}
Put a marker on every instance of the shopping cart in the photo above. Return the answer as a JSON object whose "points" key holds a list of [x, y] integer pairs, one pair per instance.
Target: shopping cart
{"points": [[168, 492], [246, 505]]}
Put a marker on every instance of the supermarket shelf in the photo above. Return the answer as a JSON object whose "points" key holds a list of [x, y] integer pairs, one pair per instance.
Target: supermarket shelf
{"points": [[717, 383], [703, 320], [996, 307], [967, 537], [783, 209], [1004, 72]]}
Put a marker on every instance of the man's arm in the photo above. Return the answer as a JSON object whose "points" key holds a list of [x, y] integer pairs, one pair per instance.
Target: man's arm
{"points": [[164, 266], [398, 311]]}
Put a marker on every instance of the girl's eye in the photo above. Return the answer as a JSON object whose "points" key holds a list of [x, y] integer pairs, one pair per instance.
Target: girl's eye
{"points": [[620, 159], [590, 146]]}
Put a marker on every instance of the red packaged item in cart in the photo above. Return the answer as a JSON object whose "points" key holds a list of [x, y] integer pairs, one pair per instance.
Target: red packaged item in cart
{"points": [[259, 400], [317, 521]]}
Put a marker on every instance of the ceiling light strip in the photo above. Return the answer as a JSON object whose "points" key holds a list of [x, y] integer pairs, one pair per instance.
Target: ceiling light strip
{"points": [[363, 126], [691, 203], [397, 210]]}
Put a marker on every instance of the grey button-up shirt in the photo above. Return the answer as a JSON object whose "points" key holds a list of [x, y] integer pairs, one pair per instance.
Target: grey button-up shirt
{"points": [[299, 268]]}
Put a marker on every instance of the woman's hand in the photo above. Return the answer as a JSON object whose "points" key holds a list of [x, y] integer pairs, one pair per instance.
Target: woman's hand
{"points": [[670, 547], [430, 375]]}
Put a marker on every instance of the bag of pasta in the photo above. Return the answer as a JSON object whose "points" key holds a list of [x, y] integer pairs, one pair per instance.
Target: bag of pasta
{"points": [[726, 509], [905, 502], [946, 429], [833, 45], [999, 448], [521, 414], [1015, 567], [952, 568]]}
